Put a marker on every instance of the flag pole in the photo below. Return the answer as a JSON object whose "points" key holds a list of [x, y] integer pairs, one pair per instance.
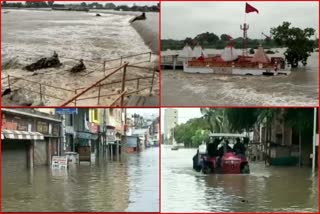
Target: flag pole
{"points": [[245, 17]]}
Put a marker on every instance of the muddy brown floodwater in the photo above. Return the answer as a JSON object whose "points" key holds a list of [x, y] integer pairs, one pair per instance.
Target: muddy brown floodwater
{"points": [[265, 189], [300, 88], [132, 185], [28, 35]]}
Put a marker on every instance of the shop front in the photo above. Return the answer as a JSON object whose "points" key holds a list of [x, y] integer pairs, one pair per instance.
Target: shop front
{"points": [[27, 140], [17, 142]]}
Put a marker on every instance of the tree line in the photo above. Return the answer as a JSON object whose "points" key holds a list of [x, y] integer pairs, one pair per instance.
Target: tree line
{"points": [[297, 41], [239, 120], [93, 5], [211, 40]]}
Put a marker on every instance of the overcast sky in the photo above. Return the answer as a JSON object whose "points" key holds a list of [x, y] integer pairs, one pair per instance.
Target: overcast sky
{"points": [[184, 114], [187, 19], [145, 112], [150, 3]]}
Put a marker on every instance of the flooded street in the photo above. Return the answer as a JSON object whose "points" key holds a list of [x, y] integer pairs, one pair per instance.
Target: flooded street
{"points": [[132, 185], [265, 189], [300, 88]]}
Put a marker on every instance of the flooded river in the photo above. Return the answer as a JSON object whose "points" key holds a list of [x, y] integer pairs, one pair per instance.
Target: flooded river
{"points": [[300, 88], [132, 185], [28, 35], [265, 189]]}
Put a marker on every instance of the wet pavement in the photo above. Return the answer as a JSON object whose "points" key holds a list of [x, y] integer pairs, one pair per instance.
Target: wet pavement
{"points": [[130, 185], [265, 189]]}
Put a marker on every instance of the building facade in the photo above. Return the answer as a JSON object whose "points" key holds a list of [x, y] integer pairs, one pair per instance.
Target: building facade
{"points": [[170, 121], [29, 138]]}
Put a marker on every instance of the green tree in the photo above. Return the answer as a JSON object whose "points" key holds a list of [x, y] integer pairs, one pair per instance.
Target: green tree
{"points": [[206, 38], [199, 137], [110, 6], [28, 4], [241, 119], [183, 133], [298, 42], [216, 119], [224, 37], [50, 3]]}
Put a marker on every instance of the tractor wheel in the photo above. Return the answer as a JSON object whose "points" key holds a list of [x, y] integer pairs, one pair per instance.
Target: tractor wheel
{"points": [[206, 170], [245, 169]]}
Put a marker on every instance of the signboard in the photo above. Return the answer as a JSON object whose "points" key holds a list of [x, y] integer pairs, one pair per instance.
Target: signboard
{"points": [[42, 127], [69, 130], [14, 123], [66, 110], [111, 135], [9, 125], [59, 162], [84, 135]]}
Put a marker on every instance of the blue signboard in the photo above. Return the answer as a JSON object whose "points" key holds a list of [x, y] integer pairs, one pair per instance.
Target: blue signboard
{"points": [[66, 110], [84, 135]]}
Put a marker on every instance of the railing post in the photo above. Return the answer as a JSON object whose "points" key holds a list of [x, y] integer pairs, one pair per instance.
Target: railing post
{"points": [[75, 100], [152, 81], [123, 83], [9, 82], [40, 92], [99, 94], [117, 150], [150, 56], [138, 84]]}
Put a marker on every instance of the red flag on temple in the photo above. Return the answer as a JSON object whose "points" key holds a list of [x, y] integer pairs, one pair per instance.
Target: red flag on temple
{"points": [[250, 9]]}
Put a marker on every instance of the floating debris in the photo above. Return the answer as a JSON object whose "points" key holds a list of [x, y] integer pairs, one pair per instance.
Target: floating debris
{"points": [[46, 62], [79, 67]]}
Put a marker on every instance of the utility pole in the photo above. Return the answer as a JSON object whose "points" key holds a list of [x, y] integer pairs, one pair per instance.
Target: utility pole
{"points": [[314, 140]]}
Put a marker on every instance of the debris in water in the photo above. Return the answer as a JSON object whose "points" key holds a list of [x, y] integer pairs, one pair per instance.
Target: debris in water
{"points": [[79, 67], [6, 92], [98, 14], [141, 17], [46, 62]]}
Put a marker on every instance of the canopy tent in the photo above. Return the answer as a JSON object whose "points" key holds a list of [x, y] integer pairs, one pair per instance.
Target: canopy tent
{"points": [[260, 56], [21, 135], [229, 54], [226, 135]]}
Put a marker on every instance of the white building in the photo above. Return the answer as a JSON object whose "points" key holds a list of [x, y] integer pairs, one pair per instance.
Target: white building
{"points": [[170, 121]]}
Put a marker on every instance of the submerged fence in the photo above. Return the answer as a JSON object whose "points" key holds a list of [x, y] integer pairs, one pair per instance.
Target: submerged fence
{"points": [[86, 93]]}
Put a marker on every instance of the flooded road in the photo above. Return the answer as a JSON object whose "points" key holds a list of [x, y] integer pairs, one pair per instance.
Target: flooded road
{"points": [[132, 185], [265, 189], [300, 88]]}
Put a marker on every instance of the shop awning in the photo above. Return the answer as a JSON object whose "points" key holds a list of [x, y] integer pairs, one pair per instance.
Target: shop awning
{"points": [[21, 135]]}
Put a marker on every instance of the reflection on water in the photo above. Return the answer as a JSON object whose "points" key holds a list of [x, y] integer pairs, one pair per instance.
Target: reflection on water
{"points": [[128, 186], [265, 189]]}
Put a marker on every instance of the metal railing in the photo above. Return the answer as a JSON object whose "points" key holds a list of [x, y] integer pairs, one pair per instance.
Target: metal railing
{"points": [[11, 84], [12, 80], [121, 95]]}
